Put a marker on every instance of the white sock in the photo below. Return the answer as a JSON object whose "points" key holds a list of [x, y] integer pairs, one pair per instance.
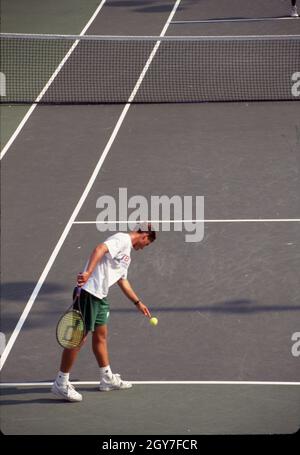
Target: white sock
{"points": [[62, 378], [105, 371]]}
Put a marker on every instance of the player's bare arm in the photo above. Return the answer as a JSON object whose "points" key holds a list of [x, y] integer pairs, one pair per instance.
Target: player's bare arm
{"points": [[95, 257], [129, 292]]}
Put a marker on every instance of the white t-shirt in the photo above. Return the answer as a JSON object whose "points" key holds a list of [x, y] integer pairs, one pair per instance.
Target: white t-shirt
{"points": [[113, 266]]}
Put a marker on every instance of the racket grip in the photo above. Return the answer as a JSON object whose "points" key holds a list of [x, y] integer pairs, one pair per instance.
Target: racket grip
{"points": [[76, 293], [78, 290]]}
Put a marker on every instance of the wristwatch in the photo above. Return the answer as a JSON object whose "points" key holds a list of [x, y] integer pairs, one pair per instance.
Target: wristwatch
{"points": [[138, 301]]}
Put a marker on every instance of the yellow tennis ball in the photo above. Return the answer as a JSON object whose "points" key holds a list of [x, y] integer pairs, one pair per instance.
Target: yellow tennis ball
{"points": [[153, 321]]}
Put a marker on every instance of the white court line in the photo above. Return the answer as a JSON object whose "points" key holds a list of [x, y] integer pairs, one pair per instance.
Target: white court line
{"points": [[79, 204], [258, 220], [151, 38], [61, 64], [30, 384], [252, 19]]}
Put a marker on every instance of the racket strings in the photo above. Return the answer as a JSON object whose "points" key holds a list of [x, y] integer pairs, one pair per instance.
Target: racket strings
{"points": [[70, 330]]}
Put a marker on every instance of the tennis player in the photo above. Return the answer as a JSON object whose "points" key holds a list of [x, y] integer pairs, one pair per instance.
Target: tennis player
{"points": [[294, 12], [108, 264]]}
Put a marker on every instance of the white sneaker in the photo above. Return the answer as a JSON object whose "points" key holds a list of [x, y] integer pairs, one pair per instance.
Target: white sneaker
{"points": [[67, 392], [294, 12], [113, 383]]}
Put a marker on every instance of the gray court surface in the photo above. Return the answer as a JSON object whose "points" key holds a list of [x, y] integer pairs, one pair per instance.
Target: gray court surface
{"points": [[228, 306], [153, 409]]}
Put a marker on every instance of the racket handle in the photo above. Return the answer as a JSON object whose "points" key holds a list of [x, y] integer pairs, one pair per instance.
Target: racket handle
{"points": [[76, 294], [78, 290]]}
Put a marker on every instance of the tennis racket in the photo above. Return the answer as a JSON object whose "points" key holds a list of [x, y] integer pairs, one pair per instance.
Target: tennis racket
{"points": [[70, 329]]}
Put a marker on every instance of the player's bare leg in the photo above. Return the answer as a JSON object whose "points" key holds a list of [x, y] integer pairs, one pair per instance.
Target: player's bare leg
{"points": [[99, 343], [62, 387], [108, 380], [68, 358]]}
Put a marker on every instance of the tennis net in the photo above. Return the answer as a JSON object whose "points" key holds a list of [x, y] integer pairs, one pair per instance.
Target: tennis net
{"points": [[112, 69]]}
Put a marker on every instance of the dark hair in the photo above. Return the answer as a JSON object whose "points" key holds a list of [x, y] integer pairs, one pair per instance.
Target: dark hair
{"points": [[147, 229]]}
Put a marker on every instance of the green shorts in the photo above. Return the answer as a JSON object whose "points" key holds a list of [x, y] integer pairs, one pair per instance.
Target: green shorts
{"points": [[95, 311]]}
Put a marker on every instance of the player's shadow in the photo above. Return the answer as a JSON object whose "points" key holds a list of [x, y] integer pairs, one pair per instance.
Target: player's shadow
{"points": [[21, 291], [8, 394], [37, 401], [237, 306], [54, 297], [147, 6]]}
